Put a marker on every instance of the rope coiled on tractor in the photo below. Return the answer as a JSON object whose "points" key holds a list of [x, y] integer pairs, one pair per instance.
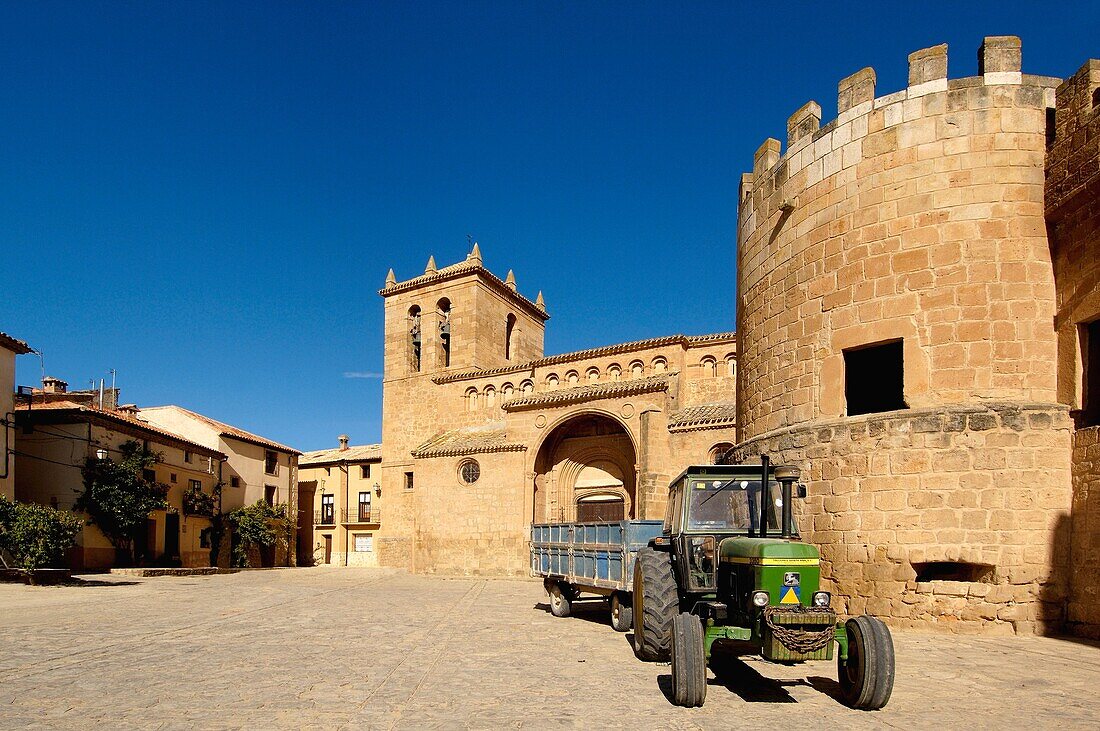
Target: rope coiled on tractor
{"points": [[801, 640]]}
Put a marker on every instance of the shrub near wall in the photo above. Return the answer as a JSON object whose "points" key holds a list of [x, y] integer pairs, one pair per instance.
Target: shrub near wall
{"points": [[36, 536]]}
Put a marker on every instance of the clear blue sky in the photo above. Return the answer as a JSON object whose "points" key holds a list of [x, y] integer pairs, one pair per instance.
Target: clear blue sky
{"points": [[207, 196]]}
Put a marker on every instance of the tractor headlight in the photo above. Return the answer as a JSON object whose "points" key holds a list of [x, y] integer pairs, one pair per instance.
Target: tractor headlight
{"points": [[822, 598], [760, 598]]}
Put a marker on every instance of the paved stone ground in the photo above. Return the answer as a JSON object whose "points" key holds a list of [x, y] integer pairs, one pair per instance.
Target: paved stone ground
{"points": [[363, 648]]}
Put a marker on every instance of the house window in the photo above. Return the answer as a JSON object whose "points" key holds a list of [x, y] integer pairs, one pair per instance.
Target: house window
{"points": [[408, 480], [636, 369], [364, 542], [328, 509], [415, 339], [188, 457], [271, 462], [172, 477], [364, 471], [615, 372], [1090, 414], [234, 482], [874, 378], [364, 507], [709, 367], [194, 485], [269, 495], [149, 475]]}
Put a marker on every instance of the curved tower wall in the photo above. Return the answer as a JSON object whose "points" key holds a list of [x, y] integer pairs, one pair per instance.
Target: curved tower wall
{"points": [[915, 217]]}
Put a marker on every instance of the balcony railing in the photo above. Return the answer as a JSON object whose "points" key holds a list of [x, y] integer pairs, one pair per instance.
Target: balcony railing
{"points": [[359, 515], [348, 516]]}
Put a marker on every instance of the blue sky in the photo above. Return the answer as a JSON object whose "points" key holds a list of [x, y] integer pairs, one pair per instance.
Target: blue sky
{"points": [[207, 196]]}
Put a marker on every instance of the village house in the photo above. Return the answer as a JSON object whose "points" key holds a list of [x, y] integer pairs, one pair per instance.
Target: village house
{"points": [[9, 348], [256, 468], [340, 493], [55, 438]]}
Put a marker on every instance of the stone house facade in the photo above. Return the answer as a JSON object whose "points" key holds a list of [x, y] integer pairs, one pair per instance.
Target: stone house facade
{"points": [[55, 437], [9, 348], [256, 468], [916, 283], [482, 434], [340, 495]]}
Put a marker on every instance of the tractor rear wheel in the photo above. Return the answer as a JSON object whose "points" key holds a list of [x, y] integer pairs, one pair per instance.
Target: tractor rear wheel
{"points": [[867, 676], [656, 602], [622, 612], [561, 598], [689, 663]]}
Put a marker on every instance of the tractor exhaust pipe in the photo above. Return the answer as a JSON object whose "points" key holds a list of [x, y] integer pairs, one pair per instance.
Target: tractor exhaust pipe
{"points": [[765, 494]]}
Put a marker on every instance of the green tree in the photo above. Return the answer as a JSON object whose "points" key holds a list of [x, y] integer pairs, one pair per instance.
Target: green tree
{"points": [[118, 498], [259, 524], [36, 536]]}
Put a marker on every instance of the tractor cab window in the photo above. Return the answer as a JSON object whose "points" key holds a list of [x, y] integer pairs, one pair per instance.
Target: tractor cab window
{"points": [[672, 514], [724, 505]]}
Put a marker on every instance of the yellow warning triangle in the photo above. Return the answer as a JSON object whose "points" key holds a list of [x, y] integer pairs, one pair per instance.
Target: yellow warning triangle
{"points": [[789, 597]]}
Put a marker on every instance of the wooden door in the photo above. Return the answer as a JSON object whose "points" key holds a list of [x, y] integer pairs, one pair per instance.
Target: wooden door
{"points": [[328, 549]]}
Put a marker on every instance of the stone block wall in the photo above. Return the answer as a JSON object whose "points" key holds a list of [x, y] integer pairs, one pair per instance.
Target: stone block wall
{"points": [[1073, 221], [955, 517], [916, 216]]}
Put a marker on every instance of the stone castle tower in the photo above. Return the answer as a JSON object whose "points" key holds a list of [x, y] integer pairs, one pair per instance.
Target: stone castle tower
{"points": [[897, 320]]}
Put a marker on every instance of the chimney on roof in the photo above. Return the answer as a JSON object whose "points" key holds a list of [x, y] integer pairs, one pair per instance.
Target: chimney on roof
{"points": [[343, 442], [129, 410], [54, 385]]}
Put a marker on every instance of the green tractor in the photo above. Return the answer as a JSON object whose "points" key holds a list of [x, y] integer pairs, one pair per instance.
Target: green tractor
{"points": [[730, 572]]}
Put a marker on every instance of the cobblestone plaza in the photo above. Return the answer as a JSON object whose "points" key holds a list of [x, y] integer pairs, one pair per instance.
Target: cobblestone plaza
{"points": [[376, 648]]}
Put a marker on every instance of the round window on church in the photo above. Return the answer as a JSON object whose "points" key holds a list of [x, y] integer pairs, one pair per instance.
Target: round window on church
{"points": [[469, 472]]}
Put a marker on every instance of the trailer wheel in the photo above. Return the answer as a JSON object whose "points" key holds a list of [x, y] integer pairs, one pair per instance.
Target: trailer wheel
{"points": [[622, 612], [689, 663], [561, 599], [656, 602], [867, 677]]}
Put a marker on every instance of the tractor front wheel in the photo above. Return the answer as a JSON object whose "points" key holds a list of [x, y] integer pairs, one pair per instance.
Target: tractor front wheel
{"points": [[689, 662], [561, 598], [656, 602], [622, 612], [867, 676]]}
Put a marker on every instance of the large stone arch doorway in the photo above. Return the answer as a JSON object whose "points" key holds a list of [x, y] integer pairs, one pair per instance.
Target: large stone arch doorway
{"points": [[586, 469]]}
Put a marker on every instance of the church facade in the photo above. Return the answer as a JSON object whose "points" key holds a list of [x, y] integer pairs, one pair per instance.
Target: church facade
{"points": [[483, 434]]}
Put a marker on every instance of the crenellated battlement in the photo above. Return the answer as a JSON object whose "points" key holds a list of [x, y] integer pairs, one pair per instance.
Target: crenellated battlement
{"points": [[821, 151]]}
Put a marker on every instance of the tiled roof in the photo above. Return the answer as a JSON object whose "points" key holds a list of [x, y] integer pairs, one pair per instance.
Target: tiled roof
{"points": [[361, 453], [15, 345], [470, 440], [704, 416], [589, 353], [460, 269], [480, 373], [84, 412], [562, 396], [233, 432]]}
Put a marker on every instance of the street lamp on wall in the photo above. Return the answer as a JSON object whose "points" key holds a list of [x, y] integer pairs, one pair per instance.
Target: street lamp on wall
{"points": [[377, 489]]}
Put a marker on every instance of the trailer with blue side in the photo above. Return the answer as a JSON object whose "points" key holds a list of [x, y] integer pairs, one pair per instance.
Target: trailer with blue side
{"points": [[591, 558]]}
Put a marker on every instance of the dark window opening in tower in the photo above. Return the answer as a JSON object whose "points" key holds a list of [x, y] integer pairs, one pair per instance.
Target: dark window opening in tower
{"points": [[874, 378], [443, 309], [1090, 414], [509, 336], [414, 339]]}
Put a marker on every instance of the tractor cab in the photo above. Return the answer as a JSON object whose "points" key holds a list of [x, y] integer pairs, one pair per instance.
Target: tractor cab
{"points": [[709, 504]]}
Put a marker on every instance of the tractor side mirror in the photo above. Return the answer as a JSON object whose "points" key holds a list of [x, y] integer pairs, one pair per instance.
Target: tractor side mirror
{"points": [[801, 490]]}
